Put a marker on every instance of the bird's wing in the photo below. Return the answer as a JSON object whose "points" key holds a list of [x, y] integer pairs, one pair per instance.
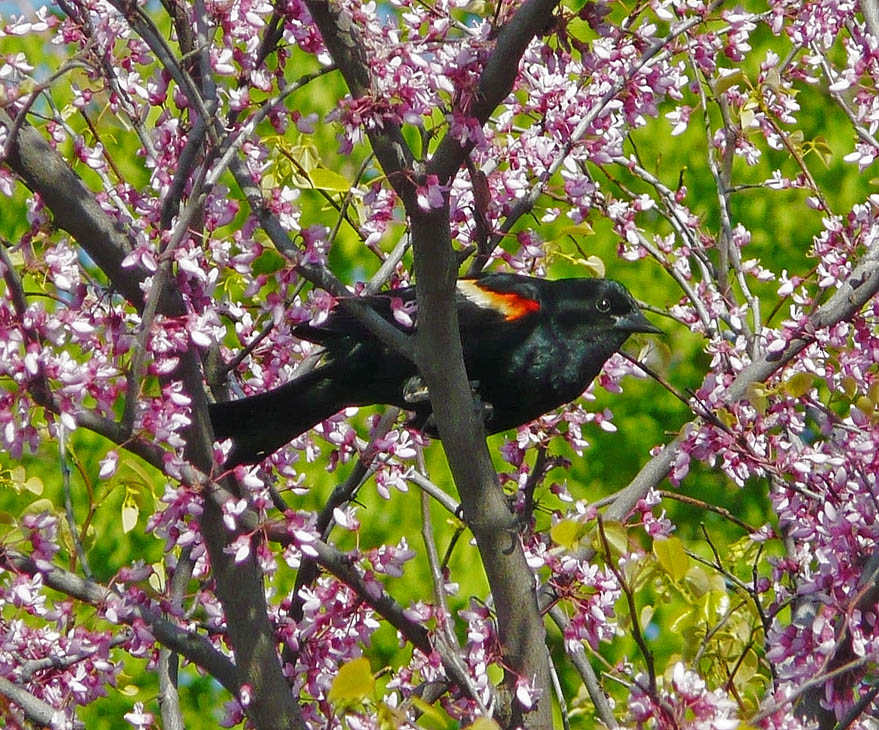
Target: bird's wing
{"points": [[492, 299], [342, 324], [483, 302]]}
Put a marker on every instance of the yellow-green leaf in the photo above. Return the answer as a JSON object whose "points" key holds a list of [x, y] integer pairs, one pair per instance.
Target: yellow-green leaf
{"points": [[578, 229], [566, 533], [594, 264], [726, 417], [728, 81], [483, 723], [432, 716], [157, 577], [21, 481], [134, 464], [823, 150], [324, 179], [41, 505], [672, 557], [656, 355], [616, 536], [353, 683], [34, 485], [701, 583], [772, 81], [756, 395], [798, 384], [305, 156]]}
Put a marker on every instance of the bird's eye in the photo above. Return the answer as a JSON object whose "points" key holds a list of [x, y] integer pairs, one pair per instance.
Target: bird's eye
{"points": [[603, 304]]}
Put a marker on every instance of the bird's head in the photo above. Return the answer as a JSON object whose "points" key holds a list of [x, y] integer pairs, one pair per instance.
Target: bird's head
{"points": [[592, 307]]}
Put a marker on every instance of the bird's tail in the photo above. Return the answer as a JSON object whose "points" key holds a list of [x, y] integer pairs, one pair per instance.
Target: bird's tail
{"points": [[261, 424]]}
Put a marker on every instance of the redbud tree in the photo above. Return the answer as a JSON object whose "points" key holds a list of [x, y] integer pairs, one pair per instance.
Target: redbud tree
{"points": [[184, 182]]}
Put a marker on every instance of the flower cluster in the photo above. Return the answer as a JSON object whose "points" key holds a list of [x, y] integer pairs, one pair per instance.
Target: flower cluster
{"points": [[219, 163]]}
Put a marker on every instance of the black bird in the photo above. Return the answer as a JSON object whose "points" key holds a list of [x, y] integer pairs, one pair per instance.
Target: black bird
{"points": [[530, 345]]}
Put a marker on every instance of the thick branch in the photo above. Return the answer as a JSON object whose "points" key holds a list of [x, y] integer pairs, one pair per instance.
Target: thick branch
{"points": [[440, 361], [239, 585], [38, 712]]}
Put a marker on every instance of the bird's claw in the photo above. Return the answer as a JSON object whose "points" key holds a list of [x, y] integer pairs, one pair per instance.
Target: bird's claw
{"points": [[415, 390], [484, 409]]}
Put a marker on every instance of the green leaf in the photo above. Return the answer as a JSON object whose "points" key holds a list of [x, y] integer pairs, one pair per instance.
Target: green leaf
{"points": [[799, 384], [432, 716], [566, 533], [324, 179], [483, 723], [672, 557], [728, 81], [616, 536], [353, 683], [268, 262]]}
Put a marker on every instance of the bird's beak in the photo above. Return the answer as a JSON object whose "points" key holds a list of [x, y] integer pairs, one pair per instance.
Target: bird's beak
{"points": [[636, 322]]}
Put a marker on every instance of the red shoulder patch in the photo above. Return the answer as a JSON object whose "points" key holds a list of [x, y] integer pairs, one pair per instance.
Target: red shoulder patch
{"points": [[511, 305]]}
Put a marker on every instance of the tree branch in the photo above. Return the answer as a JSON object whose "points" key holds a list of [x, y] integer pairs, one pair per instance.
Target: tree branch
{"points": [[346, 48], [76, 211], [239, 586], [38, 712], [496, 81], [440, 361], [195, 648], [849, 298]]}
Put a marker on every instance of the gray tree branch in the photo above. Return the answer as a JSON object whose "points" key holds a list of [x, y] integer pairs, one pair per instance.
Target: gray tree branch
{"points": [[239, 585], [195, 648]]}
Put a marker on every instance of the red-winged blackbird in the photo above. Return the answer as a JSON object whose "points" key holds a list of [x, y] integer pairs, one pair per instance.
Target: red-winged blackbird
{"points": [[530, 345]]}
